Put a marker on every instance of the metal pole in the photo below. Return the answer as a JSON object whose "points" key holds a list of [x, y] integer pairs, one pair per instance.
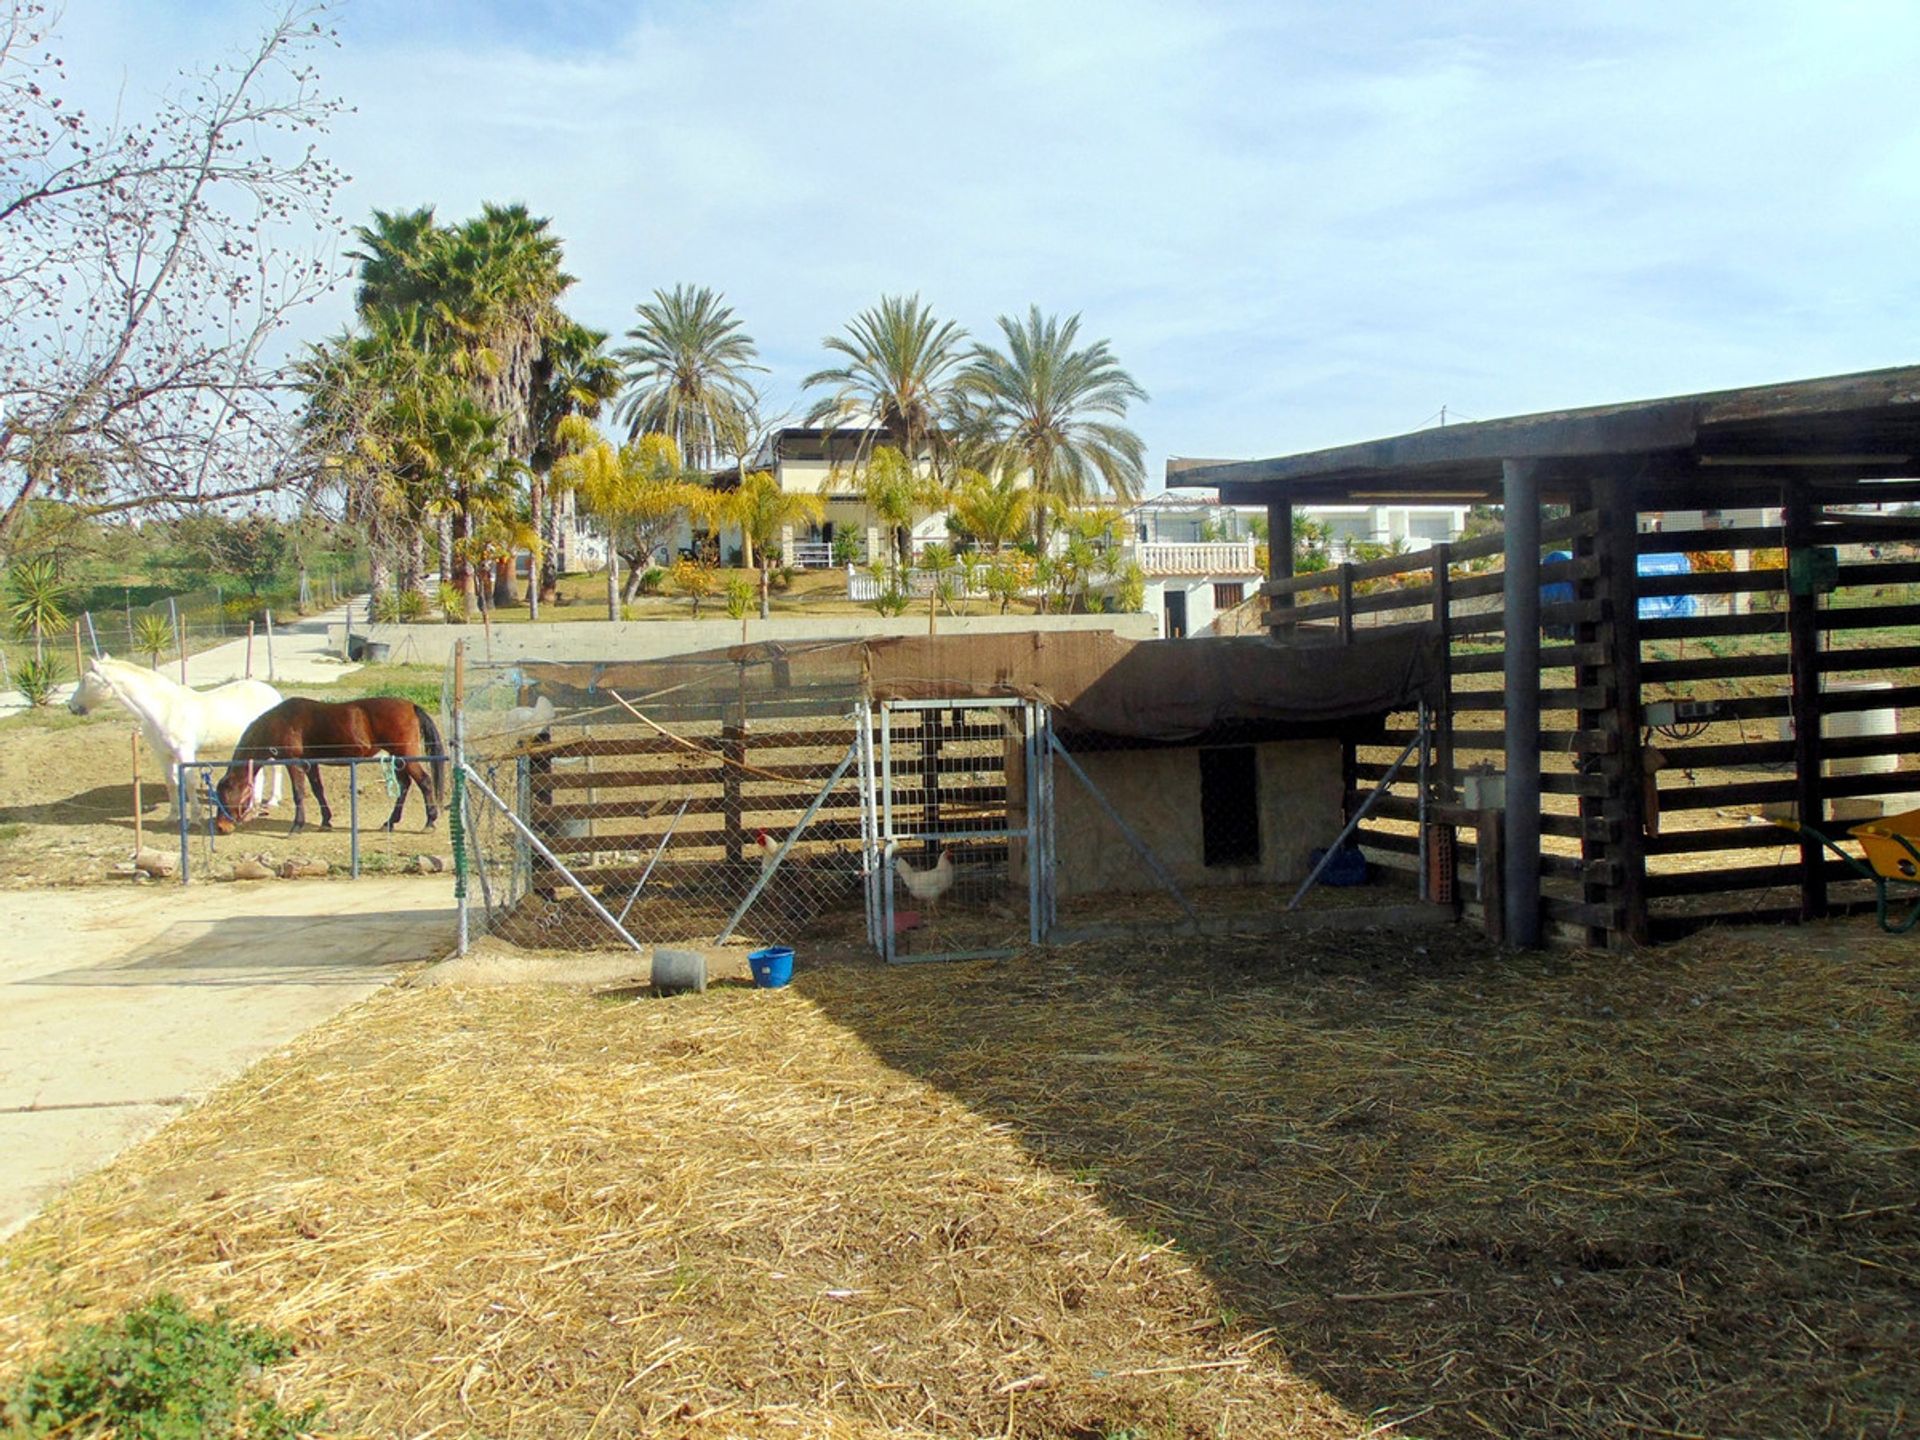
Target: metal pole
{"points": [[460, 761], [353, 818], [660, 850], [539, 845], [249, 649], [180, 795], [179, 637], [1522, 837], [93, 635], [767, 871], [1031, 739], [1354, 824]]}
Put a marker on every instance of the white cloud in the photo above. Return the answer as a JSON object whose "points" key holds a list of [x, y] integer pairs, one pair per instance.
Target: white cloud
{"points": [[1298, 224]]}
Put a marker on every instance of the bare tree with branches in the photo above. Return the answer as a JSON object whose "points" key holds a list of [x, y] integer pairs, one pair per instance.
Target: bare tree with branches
{"points": [[145, 268]]}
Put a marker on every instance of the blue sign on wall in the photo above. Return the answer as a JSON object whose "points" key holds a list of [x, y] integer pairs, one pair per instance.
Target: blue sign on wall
{"points": [[1652, 607]]}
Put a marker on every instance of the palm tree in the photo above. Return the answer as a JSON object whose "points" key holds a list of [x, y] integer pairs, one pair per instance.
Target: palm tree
{"points": [[896, 495], [640, 492], [573, 378], [686, 373], [763, 511], [1054, 409], [483, 297], [898, 381], [993, 512]]}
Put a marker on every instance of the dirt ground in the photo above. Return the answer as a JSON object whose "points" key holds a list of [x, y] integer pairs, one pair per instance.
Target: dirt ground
{"points": [[1303, 1186]]}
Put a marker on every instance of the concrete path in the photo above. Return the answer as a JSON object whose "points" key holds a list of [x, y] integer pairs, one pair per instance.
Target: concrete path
{"points": [[119, 1007]]}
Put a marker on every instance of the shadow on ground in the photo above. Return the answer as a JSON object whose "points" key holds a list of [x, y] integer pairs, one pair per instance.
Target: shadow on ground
{"points": [[1482, 1195], [345, 948]]}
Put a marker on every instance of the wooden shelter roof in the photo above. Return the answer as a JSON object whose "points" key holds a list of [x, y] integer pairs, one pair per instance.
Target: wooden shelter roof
{"points": [[1726, 447]]}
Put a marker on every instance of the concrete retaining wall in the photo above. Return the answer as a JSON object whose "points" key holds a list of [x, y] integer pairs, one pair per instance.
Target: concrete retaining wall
{"points": [[656, 639]]}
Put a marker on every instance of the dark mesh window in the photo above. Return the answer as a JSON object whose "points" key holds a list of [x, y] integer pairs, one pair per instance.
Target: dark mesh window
{"points": [[1230, 805]]}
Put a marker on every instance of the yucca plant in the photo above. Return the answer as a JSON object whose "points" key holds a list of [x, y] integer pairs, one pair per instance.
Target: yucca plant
{"points": [[36, 600], [152, 634], [38, 677]]}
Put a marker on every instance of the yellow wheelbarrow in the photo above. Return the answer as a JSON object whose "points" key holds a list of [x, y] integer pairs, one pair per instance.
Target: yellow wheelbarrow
{"points": [[1892, 858]]}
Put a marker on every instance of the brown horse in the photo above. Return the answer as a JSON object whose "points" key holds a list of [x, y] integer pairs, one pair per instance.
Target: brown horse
{"points": [[303, 735]]}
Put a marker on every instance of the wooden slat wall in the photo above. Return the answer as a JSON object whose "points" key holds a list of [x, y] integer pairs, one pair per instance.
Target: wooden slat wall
{"points": [[1627, 884]]}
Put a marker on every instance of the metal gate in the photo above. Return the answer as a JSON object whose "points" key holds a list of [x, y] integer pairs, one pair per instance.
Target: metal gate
{"points": [[955, 827]]}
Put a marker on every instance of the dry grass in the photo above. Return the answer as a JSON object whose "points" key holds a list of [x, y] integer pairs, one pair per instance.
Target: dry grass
{"points": [[1107, 1190]]}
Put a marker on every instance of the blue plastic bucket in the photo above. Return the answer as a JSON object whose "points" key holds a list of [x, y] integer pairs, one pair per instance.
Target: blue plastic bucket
{"points": [[772, 967]]}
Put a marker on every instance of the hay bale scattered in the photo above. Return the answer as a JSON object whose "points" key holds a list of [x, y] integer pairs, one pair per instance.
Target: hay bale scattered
{"points": [[1362, 1182]]}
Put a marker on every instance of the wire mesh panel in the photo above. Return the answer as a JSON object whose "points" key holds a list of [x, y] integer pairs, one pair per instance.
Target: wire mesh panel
{"points": [[698, 799], [953, 857], [1216, 831]]}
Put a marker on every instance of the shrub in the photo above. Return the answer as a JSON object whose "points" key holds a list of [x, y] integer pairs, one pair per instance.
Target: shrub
{"points": [[783, 577], [453, 605], [653, 581], [739, 597], [159, 1372], [694, 580], [386, 608], [846, 549], [37, 678], [413, 605], [891, 602]]}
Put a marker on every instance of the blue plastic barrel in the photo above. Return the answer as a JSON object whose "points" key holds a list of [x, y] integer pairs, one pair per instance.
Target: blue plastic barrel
{"points": [[771, 967]]}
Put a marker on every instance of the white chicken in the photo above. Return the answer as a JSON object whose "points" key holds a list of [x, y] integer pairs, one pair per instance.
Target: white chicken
{"points": [[927, 886], [769, 849]]}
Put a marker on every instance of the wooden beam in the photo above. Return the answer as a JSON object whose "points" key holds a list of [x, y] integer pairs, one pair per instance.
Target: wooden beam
{"points": [[1280, 561], [1803, 651], [1521, 621]]}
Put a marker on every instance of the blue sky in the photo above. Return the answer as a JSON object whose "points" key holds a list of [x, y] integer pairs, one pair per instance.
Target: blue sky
{"points": [[1298, 224]]}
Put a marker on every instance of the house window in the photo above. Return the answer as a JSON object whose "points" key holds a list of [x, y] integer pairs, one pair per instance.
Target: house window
{"points": [[1228, 593], [1230, 806]]}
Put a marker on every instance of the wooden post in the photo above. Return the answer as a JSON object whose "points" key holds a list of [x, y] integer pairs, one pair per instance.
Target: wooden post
{"points": [[179, 637], [733, 745], [138, 842], [249, 649], [1346, 603], [270, 674], [1492, 866], [1280, 555], [1623, 812], [1442, 721], [1521, 512], [1803, 665], [79, 664]]}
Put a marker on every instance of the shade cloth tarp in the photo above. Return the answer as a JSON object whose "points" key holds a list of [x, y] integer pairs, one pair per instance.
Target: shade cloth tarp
{"points": [[1168, 689], [1152, 690]]}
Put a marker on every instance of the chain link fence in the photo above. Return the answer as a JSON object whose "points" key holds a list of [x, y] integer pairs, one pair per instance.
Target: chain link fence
{"points": [[676, 802]]}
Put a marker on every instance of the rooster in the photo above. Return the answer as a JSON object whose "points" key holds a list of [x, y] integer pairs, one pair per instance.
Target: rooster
{"points": [[927, 886], [769, 849]]}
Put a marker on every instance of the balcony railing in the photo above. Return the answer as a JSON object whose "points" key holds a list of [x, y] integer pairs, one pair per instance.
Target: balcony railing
{"points": [[1207, 557]]}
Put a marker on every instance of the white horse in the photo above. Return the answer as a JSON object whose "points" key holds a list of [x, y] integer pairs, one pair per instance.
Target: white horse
{"points": [[181, 725]]}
